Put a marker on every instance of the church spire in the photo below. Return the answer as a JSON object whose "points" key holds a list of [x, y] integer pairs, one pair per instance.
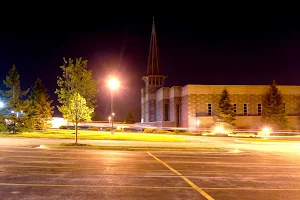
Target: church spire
{"points": [[153, 59]]}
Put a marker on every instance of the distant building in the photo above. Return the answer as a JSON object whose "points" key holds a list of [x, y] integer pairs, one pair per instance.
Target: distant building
{"points": [[182, 106]]}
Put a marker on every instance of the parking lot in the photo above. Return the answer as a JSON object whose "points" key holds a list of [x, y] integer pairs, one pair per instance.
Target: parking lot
{"points": [[35, 173]]}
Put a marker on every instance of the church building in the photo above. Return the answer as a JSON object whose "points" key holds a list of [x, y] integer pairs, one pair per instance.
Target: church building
{"points": [[193, 106]]}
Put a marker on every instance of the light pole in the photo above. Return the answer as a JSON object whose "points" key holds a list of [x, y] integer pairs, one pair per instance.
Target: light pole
{"points": [[113, 85]]}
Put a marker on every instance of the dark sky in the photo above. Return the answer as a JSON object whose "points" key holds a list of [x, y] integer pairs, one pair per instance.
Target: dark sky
{"points": [[203, 49]]}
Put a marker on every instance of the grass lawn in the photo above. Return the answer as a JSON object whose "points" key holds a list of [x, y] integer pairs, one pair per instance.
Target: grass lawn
{"points": [[267, 140], [96, 135]]}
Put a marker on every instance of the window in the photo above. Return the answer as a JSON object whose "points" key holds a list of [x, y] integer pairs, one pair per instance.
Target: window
{"points": [[209, 109], [166, 112], [234, 107], [245, 109], [259, 109], [178, 115]]}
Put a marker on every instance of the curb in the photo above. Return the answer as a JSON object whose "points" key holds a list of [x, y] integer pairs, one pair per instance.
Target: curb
{"points": [[263, 143]]}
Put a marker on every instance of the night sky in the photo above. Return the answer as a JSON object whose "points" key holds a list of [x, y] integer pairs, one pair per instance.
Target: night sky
{"points": [[202, 49]]}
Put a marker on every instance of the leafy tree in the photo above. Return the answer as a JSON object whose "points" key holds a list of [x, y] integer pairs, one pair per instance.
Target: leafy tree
{"points": [[14, 102], [273, 108], [76, 111], [129, 117], [40, 106], [225, 113], [76, 79]]}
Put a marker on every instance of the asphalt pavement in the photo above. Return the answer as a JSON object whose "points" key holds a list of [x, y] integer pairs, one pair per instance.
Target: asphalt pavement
{"points": [[27, 172]]}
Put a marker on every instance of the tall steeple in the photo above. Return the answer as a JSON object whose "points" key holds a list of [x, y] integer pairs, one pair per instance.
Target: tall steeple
{"points": [[154, 80], [153, 59]]}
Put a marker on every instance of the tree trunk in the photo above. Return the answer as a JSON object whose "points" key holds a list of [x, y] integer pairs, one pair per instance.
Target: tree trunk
{"points": [[76, 132]]}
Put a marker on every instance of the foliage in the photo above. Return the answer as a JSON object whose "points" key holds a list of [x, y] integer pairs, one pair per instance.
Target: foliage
{"points": [[129, 117], [63, 127], [274, 114], [76, 79], [40, 109], [14, 102], [107, 129], [148, 130], [161, 132], [225, 112], [93, 129], [14, 92], [76, 111]]}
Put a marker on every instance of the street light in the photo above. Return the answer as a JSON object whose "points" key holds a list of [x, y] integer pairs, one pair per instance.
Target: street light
{"points": [[2, 104], [113, 84]]}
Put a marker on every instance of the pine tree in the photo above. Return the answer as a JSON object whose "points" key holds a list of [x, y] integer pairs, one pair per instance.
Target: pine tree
{"points": [[40, 106], [225, 113], [76, 111], [273, 111], [14, 93], [129, 117], [16, 108]]}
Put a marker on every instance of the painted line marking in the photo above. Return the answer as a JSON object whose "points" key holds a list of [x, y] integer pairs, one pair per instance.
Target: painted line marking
{"points": [[183, 177], [90, 186]]}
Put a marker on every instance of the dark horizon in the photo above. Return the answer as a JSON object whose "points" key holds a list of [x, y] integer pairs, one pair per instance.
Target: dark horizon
{"points": [[193, 50]]}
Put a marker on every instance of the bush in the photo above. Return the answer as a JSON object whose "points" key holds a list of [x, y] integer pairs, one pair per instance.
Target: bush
{"points": [[148, 130], [107, 129], [161, 132], [118, 130], [93, 129], [3, 128], [63, 127], [73, 128]]}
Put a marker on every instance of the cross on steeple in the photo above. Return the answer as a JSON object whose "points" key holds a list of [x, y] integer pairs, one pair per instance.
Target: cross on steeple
{"points": [[153, 59]]}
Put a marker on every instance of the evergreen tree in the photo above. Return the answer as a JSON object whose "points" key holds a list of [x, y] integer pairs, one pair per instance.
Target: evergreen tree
{"points": [[40, 106], [76, 111], [14, 93], [273, 111], [129, 117], [15, 108], [225, 113], [76, 79]]}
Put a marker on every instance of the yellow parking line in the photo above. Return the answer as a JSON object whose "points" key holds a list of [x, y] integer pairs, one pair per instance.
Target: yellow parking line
{"points": [[183, 177], [264, 189], [91, 186]]}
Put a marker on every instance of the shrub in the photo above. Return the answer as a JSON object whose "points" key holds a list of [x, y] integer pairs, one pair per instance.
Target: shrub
{"points": [[118, 130], [161, 132], [107, 129], [63, 127], [73, 128], [3, 128], [93, 129], [148, 130]]}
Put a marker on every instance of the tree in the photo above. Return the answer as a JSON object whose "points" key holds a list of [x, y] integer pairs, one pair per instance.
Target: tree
{"points": [[14, 92], [129, 117], [76, 79], [273, 112], [40, 105], [76, 111], [15, 106], [225, 113]]}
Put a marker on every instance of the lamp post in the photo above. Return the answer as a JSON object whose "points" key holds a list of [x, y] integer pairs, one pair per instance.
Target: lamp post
{"points": [[113, 85]]}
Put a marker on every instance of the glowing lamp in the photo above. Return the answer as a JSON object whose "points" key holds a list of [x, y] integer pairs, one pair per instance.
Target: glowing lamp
{"points": [[113, 83]]}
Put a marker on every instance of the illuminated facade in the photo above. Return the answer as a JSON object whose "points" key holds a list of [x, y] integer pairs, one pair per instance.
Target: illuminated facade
{"points": [[183, 106]]}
